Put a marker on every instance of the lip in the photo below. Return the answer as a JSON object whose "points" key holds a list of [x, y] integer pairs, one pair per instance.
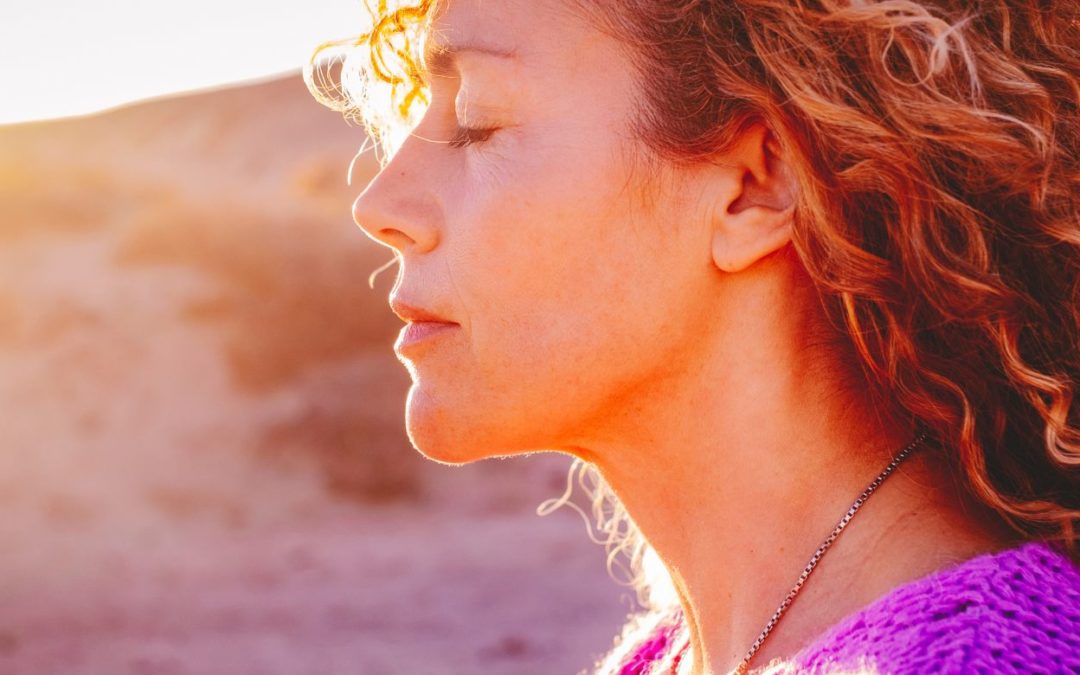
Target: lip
{"points": [[417, 333], [422, 326], [407, 312]]}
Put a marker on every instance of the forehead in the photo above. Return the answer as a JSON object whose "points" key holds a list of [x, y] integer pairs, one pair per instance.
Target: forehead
{"points": [[528, 31], [457, 19], [563, 67]]}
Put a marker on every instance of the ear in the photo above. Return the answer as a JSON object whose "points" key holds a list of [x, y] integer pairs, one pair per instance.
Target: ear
{"points": [[755, 201]]}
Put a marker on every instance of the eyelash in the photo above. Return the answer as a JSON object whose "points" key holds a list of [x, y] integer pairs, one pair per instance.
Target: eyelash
{"points": [[469, 135]]}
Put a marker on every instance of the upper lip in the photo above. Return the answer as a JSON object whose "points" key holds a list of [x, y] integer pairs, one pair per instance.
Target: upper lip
{"points": [[407, 312]]}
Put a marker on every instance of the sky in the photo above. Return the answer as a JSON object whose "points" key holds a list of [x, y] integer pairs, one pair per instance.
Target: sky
{"points": [[71, 57]]}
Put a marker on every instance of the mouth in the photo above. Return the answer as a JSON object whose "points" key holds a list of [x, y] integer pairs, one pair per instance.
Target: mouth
{"points": [[423, 326]]}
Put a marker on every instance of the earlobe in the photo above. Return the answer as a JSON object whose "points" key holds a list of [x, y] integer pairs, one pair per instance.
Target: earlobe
{"points": [[742, 244], [754, 213]]}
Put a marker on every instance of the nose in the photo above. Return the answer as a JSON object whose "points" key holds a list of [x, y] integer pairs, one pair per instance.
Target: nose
{"points": [[397, 211]]}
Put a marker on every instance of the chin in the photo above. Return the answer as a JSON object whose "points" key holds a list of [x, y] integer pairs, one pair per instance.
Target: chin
{"points": [[448, 453], [433, 431], [451, 435]]}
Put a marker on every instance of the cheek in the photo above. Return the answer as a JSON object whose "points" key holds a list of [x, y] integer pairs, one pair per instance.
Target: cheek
{"points": [[563, 310], [569, 294], [544, 250], [536, 221]]}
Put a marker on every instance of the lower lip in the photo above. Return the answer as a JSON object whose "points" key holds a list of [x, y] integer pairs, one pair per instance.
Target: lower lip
{"points": [[419, 332]]}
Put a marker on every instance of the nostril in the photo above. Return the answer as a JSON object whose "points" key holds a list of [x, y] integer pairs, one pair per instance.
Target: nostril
{"points": [[394, 238]]}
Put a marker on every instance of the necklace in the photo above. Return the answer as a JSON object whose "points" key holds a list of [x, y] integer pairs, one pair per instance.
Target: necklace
{"points": [[900, 457]]}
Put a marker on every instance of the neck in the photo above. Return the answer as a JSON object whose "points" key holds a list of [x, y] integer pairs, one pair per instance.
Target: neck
{"points": [[736, 469]]}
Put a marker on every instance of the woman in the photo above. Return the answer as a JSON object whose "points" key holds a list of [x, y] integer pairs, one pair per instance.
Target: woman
{"points": [[751, 262]]}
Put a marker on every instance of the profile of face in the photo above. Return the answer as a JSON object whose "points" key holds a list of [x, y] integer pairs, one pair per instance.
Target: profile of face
{"points": [[578, 279]]}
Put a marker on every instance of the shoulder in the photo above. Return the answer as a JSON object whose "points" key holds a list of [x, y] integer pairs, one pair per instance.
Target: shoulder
{"points": [[1014, 610]]}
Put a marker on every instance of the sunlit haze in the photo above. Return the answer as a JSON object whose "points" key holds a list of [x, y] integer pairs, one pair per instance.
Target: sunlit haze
{"points": [[70, 58]]}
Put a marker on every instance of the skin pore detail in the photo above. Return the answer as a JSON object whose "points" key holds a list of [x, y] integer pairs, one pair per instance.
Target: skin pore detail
{"points": [[656, 326]]}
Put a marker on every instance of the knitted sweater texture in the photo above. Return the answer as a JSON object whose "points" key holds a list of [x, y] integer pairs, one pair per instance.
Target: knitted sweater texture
{"points": [[1011, 611]]}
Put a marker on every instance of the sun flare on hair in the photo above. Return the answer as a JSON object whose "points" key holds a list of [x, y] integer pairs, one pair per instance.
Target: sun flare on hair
{"points": [[376, 78]]}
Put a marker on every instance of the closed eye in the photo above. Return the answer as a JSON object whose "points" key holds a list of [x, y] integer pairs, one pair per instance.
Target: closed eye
{"points": [[469, 135]]}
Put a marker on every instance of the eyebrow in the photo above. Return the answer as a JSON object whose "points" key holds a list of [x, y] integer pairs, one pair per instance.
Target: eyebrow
{"points": [[439, 58]]}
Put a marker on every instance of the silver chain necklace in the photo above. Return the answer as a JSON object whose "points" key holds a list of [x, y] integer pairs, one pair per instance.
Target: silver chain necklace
{"points": [[900, 457]]}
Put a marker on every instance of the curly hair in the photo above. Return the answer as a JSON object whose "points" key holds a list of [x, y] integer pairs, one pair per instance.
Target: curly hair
{"points": [[936, 147]]}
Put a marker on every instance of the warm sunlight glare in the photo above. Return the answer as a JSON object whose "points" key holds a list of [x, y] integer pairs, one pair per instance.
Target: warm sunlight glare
{"points": [[71, 58]]}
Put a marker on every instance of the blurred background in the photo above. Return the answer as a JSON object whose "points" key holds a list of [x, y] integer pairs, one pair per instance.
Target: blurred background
{"points": [[203, 466]]}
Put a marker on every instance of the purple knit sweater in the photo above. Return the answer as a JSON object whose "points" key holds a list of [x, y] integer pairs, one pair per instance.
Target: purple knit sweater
{"points": [[1012, 611]]}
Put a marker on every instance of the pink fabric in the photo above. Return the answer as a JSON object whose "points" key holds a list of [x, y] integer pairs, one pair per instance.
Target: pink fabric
{"points": [[1010, 611], [652, 650]]}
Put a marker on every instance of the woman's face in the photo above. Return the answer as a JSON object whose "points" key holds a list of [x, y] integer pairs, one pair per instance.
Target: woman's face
{"points": [[576, 285]]}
